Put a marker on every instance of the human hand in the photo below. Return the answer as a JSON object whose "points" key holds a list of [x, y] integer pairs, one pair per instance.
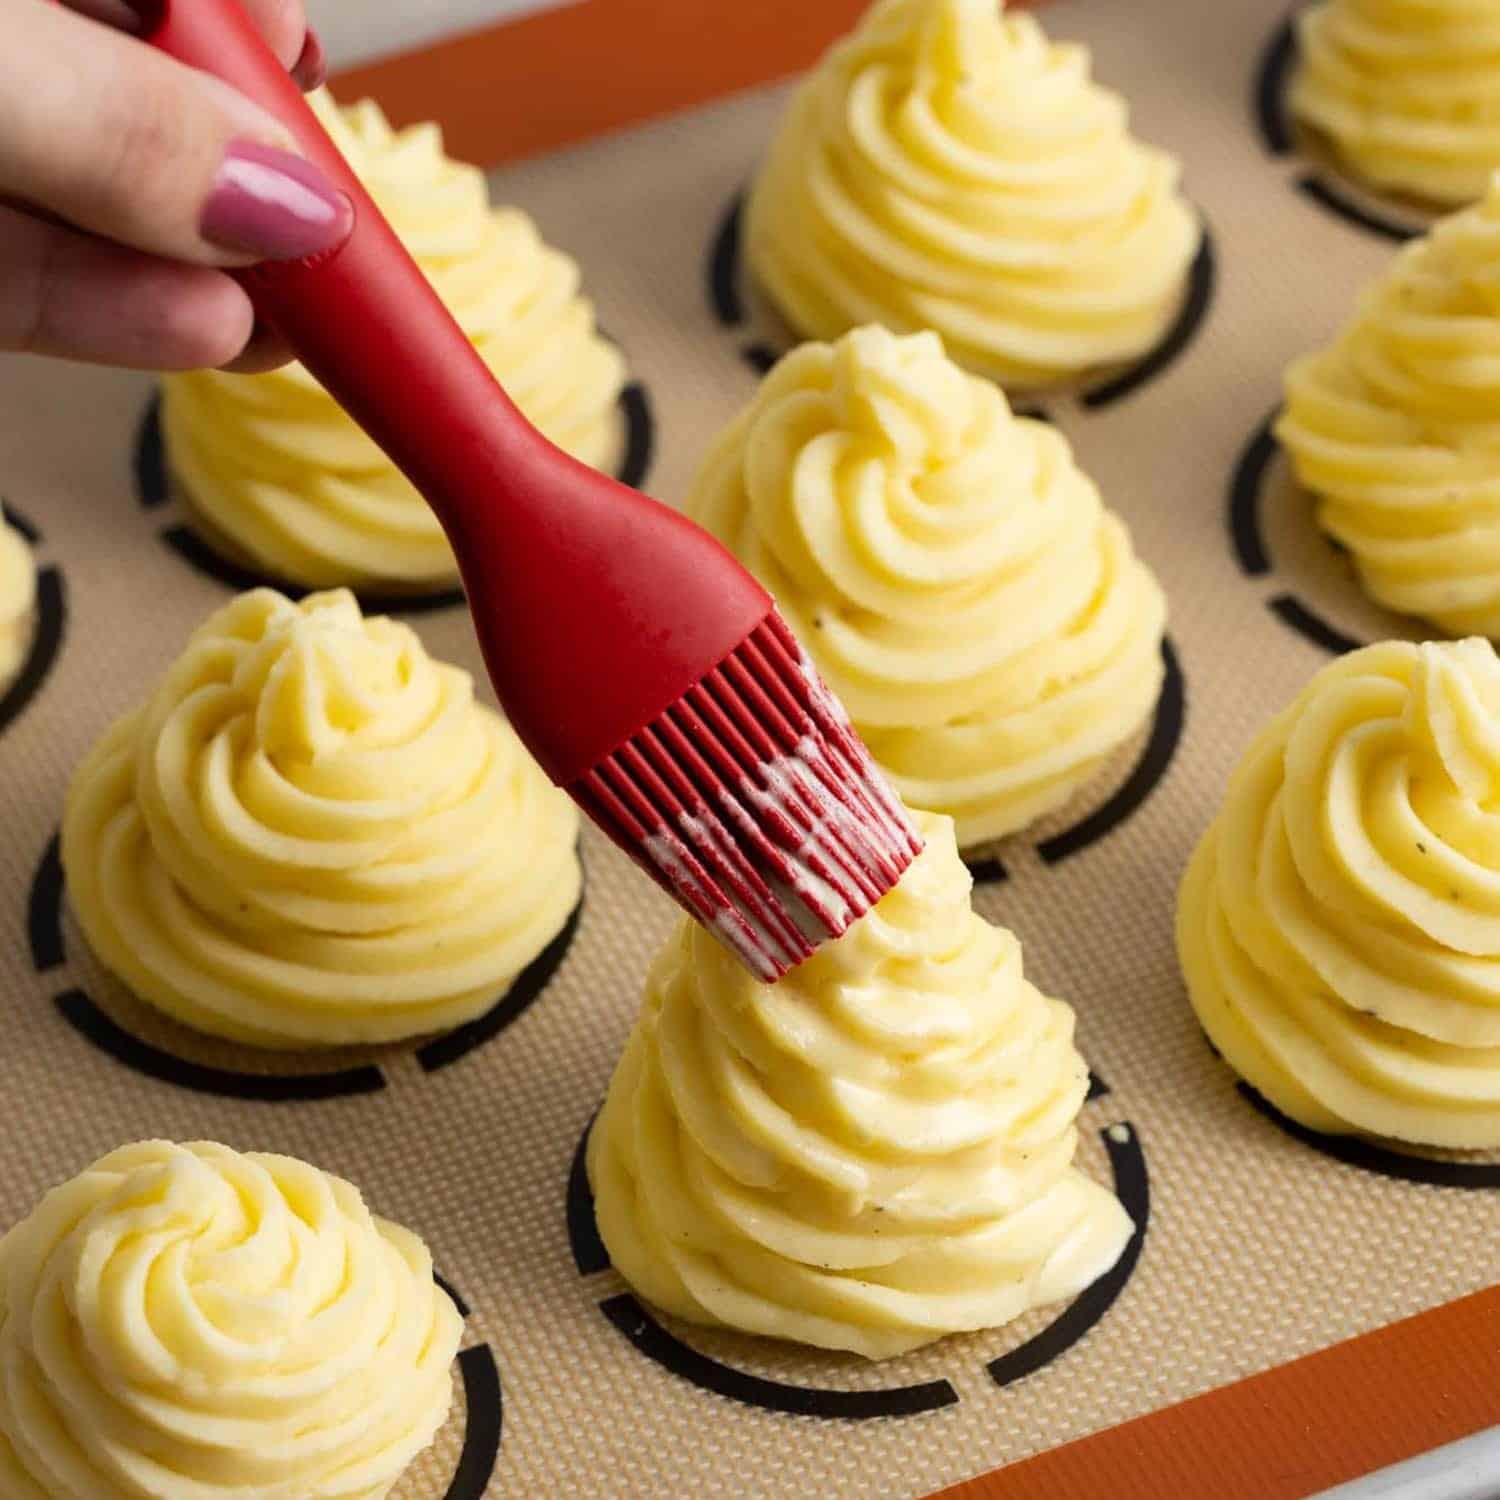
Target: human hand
{"points": [[129, 183]]}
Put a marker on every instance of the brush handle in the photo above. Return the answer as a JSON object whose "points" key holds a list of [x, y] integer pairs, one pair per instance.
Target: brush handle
{"points": [[364, 319], [597, 608]]}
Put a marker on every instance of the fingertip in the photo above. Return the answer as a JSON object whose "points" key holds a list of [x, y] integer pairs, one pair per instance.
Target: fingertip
{"points": [[192, 318], [263, 351], [311, 68], [74, 296], [283, 23]]}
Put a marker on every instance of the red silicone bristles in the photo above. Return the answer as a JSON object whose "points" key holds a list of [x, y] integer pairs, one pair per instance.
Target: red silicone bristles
{"points": [[792, 815], [689, 854], [839, 778], [754, 803]]}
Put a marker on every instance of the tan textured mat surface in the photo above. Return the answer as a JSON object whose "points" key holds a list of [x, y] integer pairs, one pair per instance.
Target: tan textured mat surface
{"points": [[1258, 1247]]}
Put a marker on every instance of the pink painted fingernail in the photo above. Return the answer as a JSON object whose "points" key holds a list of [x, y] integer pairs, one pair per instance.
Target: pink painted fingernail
{"points": [[311, 69], [275, 205]]}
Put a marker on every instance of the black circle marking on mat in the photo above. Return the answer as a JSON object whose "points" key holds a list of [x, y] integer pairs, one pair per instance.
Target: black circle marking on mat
{"points": [[671, 1353], [1271, 80], [761, 357], [725, 280], [454, 1296], [1202, 282], [1032, 413], [48, 628], [524, 989], [1247, 538], [1368, 1156], [988, 871], [1147, 774], [724, 267], [22, 525], [94, 1026], [83, 1014], [630, 1317], [1311, 626], [589, 1255], [153, 490], [44, 930], [1098, 1088], [1127, 1160], [1333, 198], [485, 1407], [640, 435], [484, 1401], [1245, 485], [1278, 134], [647, 1335], [149, 461]]}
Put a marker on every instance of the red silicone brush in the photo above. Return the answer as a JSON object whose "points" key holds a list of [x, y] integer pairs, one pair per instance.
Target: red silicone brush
{"points": [[645, 669]]}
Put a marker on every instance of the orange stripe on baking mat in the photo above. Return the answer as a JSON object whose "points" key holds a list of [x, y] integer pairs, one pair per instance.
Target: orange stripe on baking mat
{"points": [[1293, 1431], [563, 75]]}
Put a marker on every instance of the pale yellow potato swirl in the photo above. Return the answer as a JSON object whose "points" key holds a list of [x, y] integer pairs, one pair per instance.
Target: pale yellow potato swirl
{"points": [[17, 600], [1396, 427], [950, 569], [1339, 925], [871, 1154], [189, 1323], [274, 465], [1406, 91], [311, 834], [948, 167]]}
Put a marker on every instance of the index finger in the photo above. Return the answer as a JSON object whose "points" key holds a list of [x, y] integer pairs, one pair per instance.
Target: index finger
{"points": [[283, 23]]}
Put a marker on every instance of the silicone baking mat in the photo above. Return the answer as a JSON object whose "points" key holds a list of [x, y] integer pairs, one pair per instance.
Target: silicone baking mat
{"points": [[1256, 1245]]}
